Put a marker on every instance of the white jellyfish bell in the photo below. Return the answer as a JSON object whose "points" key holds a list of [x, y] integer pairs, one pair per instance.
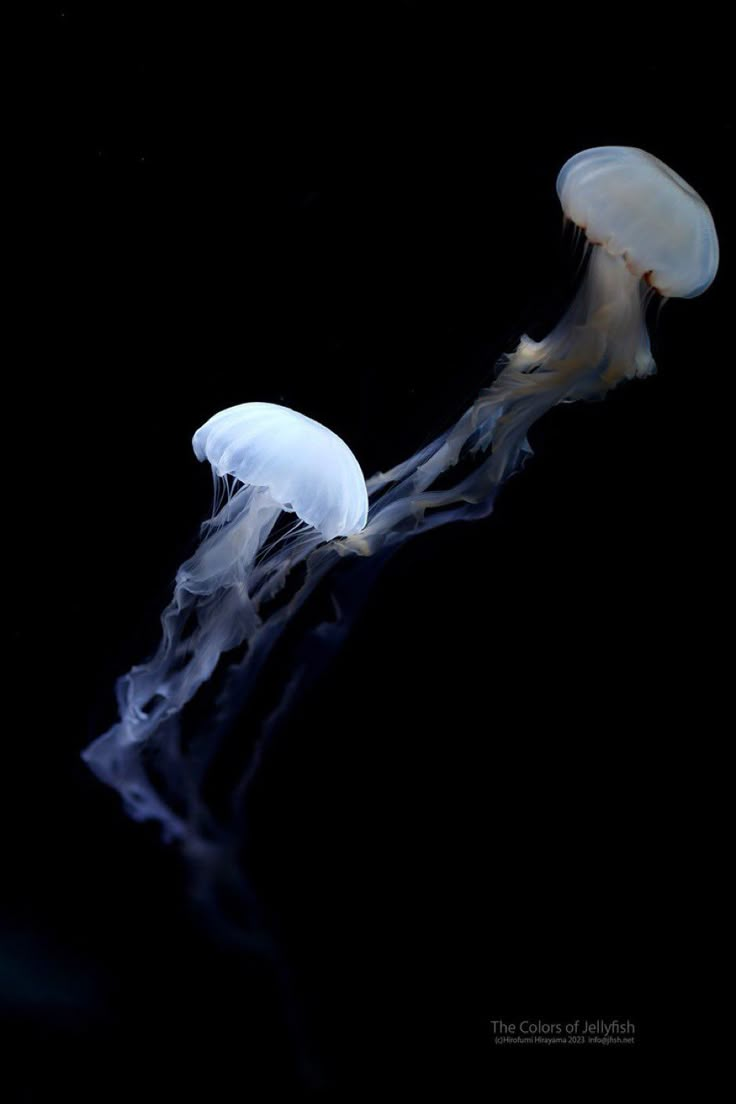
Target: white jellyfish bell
{"points": [[303, 466]]}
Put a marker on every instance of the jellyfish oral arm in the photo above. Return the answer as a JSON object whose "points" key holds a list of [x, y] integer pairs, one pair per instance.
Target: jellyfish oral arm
{"points": [[602, 338], [234, 537], [600, 341]]}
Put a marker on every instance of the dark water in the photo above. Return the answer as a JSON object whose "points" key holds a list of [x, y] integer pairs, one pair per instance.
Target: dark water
{"points": [[485, 808]]}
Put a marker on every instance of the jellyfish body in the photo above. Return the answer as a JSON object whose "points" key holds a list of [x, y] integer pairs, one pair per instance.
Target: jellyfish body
{"points": [[265, 460], [648, 233]]}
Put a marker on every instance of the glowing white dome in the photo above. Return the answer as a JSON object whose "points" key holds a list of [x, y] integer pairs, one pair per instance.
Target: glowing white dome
{"points": [[634, 206], [304, 466]]}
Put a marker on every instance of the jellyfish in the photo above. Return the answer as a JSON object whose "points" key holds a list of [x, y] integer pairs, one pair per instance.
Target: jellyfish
{"points": [[648, 233], [266, 460]]}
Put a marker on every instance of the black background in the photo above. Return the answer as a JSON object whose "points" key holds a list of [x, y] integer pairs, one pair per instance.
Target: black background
{"points": [[484, 810]]}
